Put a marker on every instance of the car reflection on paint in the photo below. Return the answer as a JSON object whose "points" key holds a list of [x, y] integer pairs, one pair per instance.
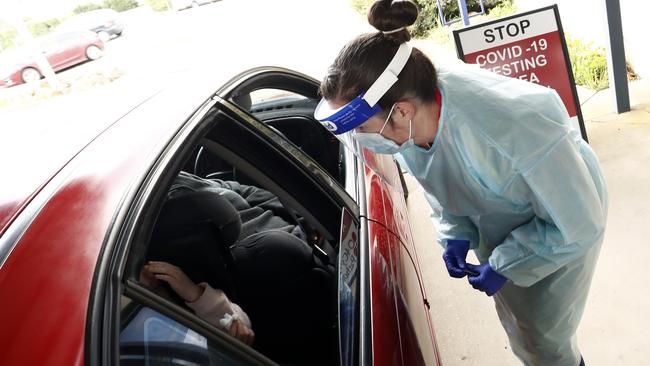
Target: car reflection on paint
{"points": [[62, 50], [105, 22]]}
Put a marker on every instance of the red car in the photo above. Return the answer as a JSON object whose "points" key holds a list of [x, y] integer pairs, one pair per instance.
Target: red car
{"points": [[61, 50], [77, 225]]}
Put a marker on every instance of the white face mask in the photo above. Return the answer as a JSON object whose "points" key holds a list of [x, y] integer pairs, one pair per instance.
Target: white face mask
{"points": [[377, 143]]}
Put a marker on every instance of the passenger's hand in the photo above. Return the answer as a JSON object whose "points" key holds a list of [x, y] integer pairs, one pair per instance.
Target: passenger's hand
{"points": [[486, 279], [454, 257], [242, 332], [147, 278], [177, 280]]}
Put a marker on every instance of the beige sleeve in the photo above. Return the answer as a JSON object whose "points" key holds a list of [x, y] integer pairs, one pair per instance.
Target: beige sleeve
{"points": [[213, 305]]}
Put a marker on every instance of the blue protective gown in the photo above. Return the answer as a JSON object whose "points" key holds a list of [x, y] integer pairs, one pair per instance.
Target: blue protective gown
{"points": [[508, 173]]}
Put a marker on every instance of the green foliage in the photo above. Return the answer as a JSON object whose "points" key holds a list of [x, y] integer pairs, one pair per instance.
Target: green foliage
{"points": [[82, 8], [429, 13], [589, 64], [44, 27], [7, 39], [117, 5], [158, 5], [120, 5], [8, 34], [361, 6], [428, 19], [504, 9]]}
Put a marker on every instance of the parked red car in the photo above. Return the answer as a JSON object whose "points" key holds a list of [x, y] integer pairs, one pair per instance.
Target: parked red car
{"points": [[61, 50], [76, 228]]}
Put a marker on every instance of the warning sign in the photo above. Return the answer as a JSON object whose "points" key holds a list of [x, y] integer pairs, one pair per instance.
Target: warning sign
{"points": [[528, 46]]}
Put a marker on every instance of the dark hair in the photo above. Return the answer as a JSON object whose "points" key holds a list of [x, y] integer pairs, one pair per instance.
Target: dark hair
{"points": [[362, 60]]}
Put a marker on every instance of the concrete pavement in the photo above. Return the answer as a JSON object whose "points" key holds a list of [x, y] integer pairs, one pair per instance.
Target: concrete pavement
{"points": [[615, 327]]}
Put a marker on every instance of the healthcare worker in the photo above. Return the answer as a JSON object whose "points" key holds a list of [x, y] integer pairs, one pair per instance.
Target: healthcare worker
{"points": [[501, 167]]}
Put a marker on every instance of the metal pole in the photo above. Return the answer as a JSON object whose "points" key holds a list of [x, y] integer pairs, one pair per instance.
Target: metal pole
{"points": [[37, 54], [616, 56], [462, 6], [441, 14]]}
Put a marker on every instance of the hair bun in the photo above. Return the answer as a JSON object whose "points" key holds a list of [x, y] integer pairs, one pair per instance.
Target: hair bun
{"points": [[388, 15]]}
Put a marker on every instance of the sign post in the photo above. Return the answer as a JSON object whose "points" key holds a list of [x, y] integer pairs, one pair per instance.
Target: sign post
{"points": [[529, 46]]}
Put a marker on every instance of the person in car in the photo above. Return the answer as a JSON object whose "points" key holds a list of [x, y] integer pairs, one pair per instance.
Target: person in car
{"points": [[273, 260], [210, 304], [259, 209], [503, 170]]}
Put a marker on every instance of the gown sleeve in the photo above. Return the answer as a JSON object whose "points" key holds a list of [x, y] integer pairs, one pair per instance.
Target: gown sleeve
{"points": [[449, 226], [570, 214]]}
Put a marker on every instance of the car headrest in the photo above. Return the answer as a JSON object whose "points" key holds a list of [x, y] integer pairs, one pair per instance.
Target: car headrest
{"points": [[183, 213]]}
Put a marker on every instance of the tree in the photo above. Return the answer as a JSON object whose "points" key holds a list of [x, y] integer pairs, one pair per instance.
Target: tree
{"points": [[82, 8], [158, 5], [120, 5]]}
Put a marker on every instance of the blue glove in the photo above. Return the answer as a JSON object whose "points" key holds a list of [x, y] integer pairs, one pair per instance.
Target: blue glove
{"points": [[454, 257], [486, 279]]}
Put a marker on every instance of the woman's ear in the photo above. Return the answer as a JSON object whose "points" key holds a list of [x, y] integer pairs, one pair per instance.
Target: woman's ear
{"points": [[404, 110]]}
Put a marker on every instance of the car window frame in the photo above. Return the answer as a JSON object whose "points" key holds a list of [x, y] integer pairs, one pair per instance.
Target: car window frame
{"points": [[102, 341], [145, 297], [271, 77]]}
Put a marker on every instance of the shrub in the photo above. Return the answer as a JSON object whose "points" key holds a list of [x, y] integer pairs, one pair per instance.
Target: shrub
{"points": [[120, 5], [504, 9], [429, 18], [589, 64], [44, 27], [361, 6], [82, 8], [7, 39], [158, 5], [429, 13]]}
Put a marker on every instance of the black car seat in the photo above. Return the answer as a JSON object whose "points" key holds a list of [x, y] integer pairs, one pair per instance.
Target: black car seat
{"points": [[290, 296], [193, 231], [287, 291]]}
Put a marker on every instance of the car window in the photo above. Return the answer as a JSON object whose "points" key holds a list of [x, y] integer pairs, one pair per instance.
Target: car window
{"points": [[268, 97], [291, 114], [148, 337], [252, 225]]}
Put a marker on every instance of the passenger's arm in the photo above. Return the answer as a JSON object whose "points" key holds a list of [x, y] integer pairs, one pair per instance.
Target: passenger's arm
{"points": [[255, 196]]}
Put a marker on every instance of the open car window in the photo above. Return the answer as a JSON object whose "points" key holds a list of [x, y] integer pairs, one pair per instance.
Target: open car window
{"points": [[285, 101], [256, 226]]}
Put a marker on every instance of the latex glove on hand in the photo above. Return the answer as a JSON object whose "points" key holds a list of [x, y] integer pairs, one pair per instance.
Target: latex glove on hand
{"points": [[486, 279], [454, 257]]}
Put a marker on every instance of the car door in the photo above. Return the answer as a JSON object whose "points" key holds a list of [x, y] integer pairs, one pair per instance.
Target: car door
{"points": [[401, 327], [55, 50], [417, 337]]}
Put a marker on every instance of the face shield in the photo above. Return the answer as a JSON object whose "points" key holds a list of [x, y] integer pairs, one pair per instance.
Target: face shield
{"points": [[353, 114], [343, 121]]}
